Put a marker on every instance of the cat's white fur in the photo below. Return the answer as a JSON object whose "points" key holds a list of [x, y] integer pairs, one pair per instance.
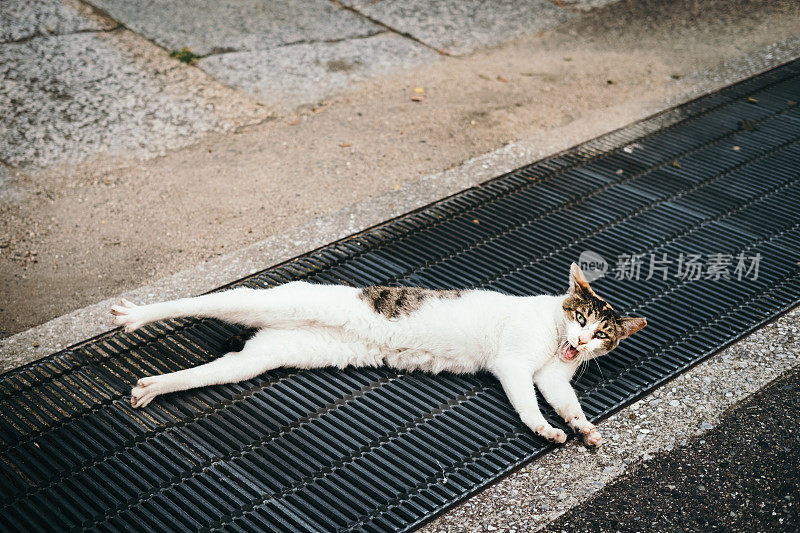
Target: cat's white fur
{"points": [[519, 339]]}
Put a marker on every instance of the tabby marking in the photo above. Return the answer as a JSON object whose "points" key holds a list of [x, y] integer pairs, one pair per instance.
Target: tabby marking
{"points": [[393, 302]]}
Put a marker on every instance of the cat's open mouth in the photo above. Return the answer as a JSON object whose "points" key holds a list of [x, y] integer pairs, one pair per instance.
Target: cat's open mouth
{"points": [[568, 352]]}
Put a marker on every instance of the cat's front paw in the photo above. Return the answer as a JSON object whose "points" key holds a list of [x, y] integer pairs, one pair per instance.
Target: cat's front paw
{"points": [[592, 438], [127, 315], [552, 434], [146, 389], [587, 431]]}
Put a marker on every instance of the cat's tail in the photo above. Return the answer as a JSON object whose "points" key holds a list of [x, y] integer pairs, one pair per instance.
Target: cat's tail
{"points": [[237, 342]]}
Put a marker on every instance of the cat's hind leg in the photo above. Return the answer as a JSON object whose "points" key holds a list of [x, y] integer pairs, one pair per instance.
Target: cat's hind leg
{"points": [[267, 350], [290, 304], [240, 306]]}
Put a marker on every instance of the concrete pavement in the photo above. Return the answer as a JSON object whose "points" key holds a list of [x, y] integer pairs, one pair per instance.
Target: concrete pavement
{"points": [[25, 19], [458, 28], [209, 27], [75, 84]]}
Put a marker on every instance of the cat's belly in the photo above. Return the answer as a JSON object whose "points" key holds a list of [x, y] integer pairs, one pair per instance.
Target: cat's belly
{"points": [[439, 357], [417, 359]]}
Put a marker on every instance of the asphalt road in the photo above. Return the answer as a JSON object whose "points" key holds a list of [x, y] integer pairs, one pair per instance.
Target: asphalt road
{"points": [[741, 476]]}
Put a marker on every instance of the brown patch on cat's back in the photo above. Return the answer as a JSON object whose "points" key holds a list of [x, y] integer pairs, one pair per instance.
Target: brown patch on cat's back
{"points": [[393, 302]]}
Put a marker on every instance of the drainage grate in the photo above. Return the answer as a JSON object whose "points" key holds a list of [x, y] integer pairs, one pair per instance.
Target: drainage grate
{"points": [[375, 449]]}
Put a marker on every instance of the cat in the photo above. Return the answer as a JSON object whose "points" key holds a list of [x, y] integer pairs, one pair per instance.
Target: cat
{"points": [[522, 340]]}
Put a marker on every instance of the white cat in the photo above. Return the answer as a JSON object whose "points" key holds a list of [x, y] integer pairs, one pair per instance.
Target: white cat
{"points": [[521, 340]]}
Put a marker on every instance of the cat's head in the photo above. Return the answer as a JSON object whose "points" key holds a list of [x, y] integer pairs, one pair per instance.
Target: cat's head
{"points": [[593, 327]]}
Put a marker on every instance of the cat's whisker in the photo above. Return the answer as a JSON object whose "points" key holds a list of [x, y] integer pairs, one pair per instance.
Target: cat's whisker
{"points": [[580, 373], [599, 369], [581, 367], [583, 370]]}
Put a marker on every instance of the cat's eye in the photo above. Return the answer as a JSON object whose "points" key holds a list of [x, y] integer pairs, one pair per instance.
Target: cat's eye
{"points": [[580, 318], [600, 335]]}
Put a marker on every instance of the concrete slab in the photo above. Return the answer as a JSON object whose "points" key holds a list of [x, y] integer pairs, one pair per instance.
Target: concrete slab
{"points": [[210, 26], [459, 27], [78, 94], [23, 19], [303, 73]]}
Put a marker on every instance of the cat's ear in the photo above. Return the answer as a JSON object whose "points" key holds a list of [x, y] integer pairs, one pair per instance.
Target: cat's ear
{"points": [[631, 325], [577, 281]]}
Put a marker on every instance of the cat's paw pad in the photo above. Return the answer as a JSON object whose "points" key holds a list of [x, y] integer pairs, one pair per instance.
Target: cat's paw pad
{"points": [[145, 390], [591, 437], [552, 434], [127, 315], [587, 430]]}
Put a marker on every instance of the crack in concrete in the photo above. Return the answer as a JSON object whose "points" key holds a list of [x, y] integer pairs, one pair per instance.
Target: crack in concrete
{"points": [[40, 35], [388, 28], [224, 51], [295, 43]]}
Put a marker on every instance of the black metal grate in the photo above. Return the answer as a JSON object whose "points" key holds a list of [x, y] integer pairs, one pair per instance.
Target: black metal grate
{"points": [[375, 449]]}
